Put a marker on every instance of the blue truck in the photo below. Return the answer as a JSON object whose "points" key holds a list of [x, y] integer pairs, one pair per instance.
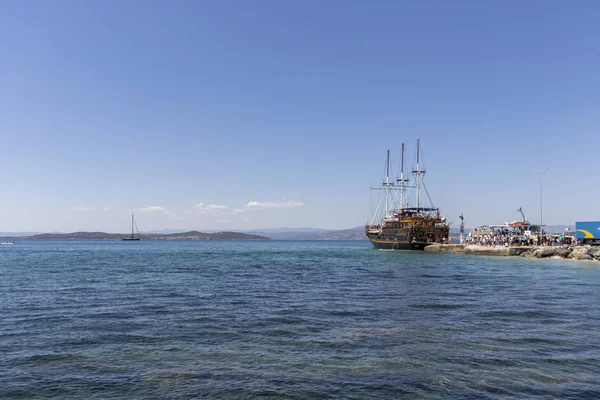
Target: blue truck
{"points": [[588, 232]]}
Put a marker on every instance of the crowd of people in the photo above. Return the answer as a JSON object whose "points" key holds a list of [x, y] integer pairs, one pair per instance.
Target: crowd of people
{"points": [[515, 237]]}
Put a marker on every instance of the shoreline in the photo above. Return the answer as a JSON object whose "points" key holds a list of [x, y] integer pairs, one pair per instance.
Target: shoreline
{"points": [[580, 253]]}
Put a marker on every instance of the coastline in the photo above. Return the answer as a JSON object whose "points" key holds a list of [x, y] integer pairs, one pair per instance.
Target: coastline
{"points": [[580, 253]]}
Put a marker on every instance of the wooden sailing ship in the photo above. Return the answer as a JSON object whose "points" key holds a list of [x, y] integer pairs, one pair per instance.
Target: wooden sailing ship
{"points": [[404, 227]]}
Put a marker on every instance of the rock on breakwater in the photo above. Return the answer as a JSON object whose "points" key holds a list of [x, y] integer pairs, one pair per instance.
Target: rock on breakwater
{"points": [[475, 249], [447, 248], [572, 252]]}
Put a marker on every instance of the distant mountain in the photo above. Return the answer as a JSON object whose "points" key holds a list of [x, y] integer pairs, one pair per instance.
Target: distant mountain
{"points": [[75, 235], [286, 230], [357, 233], [164, 231], [191, 235], [298, 235], [195, 235], [17, 234]]}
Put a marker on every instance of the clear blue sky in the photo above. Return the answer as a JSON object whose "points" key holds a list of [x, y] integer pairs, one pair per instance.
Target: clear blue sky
{"points": [[257, 114]]}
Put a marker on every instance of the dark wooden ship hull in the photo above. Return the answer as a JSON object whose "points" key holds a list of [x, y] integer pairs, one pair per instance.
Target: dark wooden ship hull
{"points": [[387, 244], [408, 233]]}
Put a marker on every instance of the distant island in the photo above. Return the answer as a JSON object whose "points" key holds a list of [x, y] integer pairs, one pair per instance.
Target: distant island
{"points": [[191, 235], [356, 233]]}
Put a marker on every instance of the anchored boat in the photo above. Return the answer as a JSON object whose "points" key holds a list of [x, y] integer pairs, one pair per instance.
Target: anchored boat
{"points": [[404, 227], [133, 237]]}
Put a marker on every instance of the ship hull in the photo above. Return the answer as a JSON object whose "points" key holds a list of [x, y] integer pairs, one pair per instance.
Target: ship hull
{"points": [[394, 245]]}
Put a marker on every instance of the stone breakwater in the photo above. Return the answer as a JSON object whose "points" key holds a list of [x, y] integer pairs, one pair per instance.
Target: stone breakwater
{"points": [[572, 252]]}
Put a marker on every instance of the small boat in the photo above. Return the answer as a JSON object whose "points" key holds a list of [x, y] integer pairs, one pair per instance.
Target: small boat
{"points": [[7, 243], [133, 224]]}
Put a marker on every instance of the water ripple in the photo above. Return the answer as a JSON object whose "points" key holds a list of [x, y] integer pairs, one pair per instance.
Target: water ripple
{"points": [[294, 320]]}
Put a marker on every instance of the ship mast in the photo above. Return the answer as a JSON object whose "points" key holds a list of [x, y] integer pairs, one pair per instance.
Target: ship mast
{"points": [[402, 180], [132, 222], [387, 184], [418, 174]]}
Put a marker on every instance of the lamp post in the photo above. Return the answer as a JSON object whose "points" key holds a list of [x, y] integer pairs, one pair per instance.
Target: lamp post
{"points": [[541, 208], [462, 228]]}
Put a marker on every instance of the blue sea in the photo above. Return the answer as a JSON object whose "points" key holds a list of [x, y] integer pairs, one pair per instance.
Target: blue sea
{"points": [[292, 320]]}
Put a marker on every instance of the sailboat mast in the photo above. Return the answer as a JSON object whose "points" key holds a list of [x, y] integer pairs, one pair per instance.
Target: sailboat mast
{"points": [[132, 225]]}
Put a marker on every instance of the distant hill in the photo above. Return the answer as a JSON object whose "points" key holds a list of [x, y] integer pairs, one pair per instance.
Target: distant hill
{"points": [[191, 235], [195, 235], [165, 231], [296, 235], [289, 230], [357, 233], [17, 234]]}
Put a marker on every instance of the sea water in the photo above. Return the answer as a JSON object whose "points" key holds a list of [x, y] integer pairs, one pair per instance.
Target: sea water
{"points": [[298, 320]]}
